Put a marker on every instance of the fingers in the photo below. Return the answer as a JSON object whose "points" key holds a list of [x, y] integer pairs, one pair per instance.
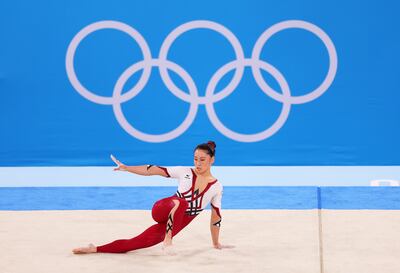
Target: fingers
{"points": [[219, 246], [121, 166], [116, 161], [227, 246]]}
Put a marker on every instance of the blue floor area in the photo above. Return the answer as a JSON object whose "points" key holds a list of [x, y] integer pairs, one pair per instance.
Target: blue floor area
{"points": [[142, 198]]}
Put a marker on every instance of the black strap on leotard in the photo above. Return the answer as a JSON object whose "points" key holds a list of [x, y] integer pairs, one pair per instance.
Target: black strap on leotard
{"points": [[169, 223], [217, 224]]}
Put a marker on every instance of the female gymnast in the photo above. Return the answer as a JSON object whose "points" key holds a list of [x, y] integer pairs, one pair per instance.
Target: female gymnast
{"points": [[196, 188]]}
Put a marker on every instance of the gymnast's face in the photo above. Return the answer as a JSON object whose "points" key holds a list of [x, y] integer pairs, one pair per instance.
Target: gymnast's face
{"points": [[202, 161]]}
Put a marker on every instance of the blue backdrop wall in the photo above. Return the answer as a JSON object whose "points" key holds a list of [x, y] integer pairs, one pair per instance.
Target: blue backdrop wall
{"points": [[271, 82]]}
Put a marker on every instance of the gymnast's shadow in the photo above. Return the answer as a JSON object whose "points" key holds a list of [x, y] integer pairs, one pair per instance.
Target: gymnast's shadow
{"points": [[195, 251], [179, 252]]}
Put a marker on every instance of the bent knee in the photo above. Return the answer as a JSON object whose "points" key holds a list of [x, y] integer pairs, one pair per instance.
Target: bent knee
{"points": [[163, 208], [176, 204]]}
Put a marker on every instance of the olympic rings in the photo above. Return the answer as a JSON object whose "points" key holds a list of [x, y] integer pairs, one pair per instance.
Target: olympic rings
{"points": [[211, 96]]}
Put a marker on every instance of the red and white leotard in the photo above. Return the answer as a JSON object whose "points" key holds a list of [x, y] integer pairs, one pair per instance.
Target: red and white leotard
{"points": [[197, 200]]}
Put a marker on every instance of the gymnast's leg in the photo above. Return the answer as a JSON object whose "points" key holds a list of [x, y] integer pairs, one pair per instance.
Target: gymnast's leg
{"points": [[168, 212]]}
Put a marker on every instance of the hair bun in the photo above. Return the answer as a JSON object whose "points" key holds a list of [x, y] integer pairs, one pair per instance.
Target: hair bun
{"points": [[212, 144]]}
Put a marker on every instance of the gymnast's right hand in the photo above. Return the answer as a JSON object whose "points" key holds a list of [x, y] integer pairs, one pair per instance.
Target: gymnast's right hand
{"points": [[120, 166]]}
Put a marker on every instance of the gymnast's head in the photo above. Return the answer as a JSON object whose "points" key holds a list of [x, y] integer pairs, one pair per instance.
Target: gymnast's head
{"points": [[204, 156]]}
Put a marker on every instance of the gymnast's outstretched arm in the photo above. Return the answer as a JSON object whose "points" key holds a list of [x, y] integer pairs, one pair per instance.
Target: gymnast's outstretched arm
{"points": [[145, 170]]}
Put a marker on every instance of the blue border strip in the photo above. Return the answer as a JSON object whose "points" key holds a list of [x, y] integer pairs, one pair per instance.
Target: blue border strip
{"points": [[143, 198]]}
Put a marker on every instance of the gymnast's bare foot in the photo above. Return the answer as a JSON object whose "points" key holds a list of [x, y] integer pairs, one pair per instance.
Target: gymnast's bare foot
{"points": [[85, 250], [168, 248]]}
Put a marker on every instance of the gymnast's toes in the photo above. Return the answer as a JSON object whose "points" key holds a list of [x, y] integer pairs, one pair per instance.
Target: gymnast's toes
{"points": [[85, 250]]}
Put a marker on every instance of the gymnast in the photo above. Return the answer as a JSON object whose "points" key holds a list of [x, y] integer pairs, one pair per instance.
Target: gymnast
{"points": [[196, 189]]}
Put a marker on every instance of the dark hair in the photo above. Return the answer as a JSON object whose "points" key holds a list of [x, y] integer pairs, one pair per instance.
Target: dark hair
{"points": [[208, 147]]}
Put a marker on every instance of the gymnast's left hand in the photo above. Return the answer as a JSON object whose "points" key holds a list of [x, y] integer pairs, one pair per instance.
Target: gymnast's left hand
{"points": [[120, 166]]}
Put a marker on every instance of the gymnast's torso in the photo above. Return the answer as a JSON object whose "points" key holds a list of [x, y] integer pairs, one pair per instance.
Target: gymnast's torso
{"points": [[197, 201]]}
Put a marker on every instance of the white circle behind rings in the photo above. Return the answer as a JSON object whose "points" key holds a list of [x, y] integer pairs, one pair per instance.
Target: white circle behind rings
{"points": [[90, 29], [257, 136], [201, 24], [150, 137], [313, 29]]}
